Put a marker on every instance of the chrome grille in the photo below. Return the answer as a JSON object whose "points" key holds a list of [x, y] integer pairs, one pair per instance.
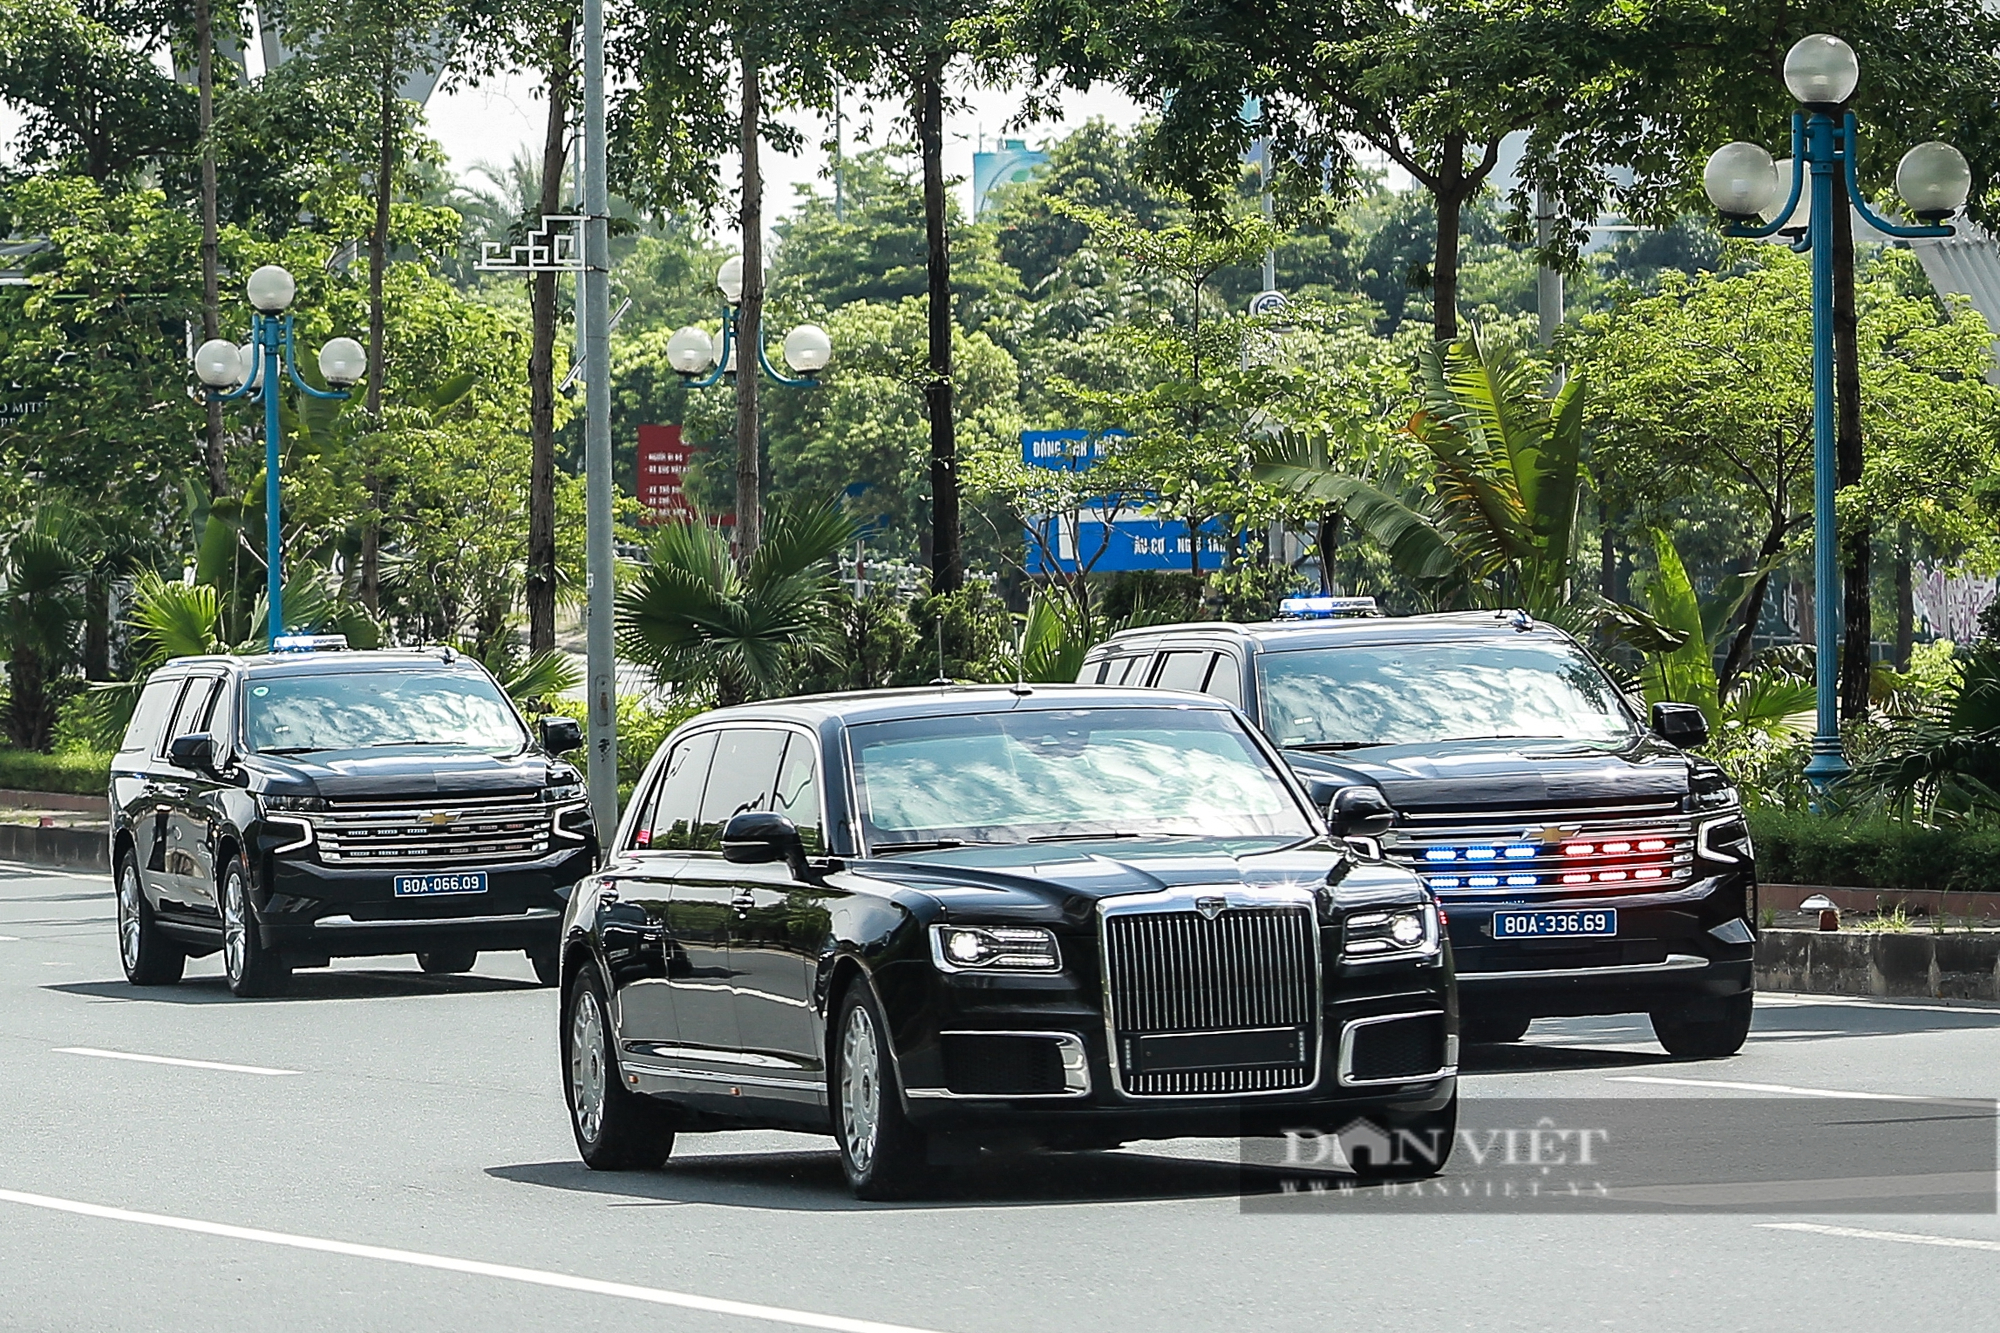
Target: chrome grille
{"points": [[443, 832], [1558, 853], [1179, 972]]}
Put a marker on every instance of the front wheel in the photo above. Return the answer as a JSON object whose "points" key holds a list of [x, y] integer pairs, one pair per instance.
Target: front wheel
{"points": [[252, 968], [1418, 1146], [1496, 1029], [150, 958], [1705, 1029], [884, 1155], [547, 962], [616, 1129]]}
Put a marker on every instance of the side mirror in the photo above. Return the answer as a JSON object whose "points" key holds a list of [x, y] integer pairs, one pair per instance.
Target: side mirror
{"points": [[1683, 725], [560, 734], [757, 836], [1361, 812], [195, 752]]}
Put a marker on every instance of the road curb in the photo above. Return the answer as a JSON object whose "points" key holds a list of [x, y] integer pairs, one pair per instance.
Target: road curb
{"points": [[57, 848], [1916, 964]]}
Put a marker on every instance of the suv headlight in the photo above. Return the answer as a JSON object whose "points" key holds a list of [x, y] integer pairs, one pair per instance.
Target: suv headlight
{"points": [[303, 804], [568, 791], [994, 949], [1396, 932]]}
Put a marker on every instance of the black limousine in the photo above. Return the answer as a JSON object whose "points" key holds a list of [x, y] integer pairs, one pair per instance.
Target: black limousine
{"points": [[939, 921]]}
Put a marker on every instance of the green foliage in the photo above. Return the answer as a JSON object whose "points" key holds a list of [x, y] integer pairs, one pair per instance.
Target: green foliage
{"points": [[79, 773], [89, 80], [642, 725], [42, 571], [1940, 760], [1795, 846]]}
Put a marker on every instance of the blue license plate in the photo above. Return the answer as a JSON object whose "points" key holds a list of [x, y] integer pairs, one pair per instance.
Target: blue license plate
{"points": [[1547, 925], [431, 886]]}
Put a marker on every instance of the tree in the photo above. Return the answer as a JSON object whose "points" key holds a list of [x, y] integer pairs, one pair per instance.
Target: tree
{"points": [[86, 75], [41, 609]]}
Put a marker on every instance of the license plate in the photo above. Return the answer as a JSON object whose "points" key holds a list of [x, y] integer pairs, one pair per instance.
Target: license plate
{"points": [[431, 886], [1186, 1053], [1544, 925]]}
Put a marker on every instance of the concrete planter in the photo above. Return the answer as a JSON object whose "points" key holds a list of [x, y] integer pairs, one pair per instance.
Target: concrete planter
{"points": [[1960, 965], [58, 848]]}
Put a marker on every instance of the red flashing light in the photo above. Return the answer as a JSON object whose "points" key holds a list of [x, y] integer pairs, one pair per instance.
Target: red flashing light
{"points": [[1577, 849]]}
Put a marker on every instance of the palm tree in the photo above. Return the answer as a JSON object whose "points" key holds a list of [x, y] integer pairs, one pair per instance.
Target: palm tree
{"points": [[702, 622], [1941, 760], [42, 578]]}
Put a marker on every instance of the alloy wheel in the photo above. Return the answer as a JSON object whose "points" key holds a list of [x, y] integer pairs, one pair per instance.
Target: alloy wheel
{"points": [[128, 916], [860, 1087], [586, 1065], [235, 926]]}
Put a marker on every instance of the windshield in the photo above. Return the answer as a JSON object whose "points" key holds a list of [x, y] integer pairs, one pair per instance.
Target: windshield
{"points": [[1423, 693], [1070, 773], [397, 706]]}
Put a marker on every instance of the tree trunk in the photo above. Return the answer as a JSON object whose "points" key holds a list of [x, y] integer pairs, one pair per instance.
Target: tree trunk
{"points": [[540, 587], [1745, 643], [1857, 575], [378, 263], [749, 321], [1329, 546], [97, 628], [1444, 267], [1906, 601], [947, 553], [211, 296]]}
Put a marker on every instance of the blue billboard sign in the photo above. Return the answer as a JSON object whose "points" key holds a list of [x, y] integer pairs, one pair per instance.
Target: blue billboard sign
{"points": [[1066, 450], [1131, 541]]}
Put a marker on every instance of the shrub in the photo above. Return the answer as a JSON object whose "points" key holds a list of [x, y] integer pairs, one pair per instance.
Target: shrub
{"points": [[79, 773], [1797, 847], [641, 728]]}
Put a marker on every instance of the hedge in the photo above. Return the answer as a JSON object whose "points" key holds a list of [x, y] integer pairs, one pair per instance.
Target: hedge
{"points": [[1795, 847], [82, 774]]}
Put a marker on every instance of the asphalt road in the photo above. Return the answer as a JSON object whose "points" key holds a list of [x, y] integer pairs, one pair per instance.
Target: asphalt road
{"points": [[384, 1150]]}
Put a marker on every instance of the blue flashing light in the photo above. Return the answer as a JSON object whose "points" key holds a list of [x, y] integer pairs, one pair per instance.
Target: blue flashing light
{"points": [[1444, 882], [1523, 881], [1479, 853], [308, 643], [1519, 853], [1440, 854], [1325, 608], [1483, 882]]}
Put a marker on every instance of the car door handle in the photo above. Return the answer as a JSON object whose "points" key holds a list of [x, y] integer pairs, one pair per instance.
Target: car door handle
{"points": [[607, 893]]}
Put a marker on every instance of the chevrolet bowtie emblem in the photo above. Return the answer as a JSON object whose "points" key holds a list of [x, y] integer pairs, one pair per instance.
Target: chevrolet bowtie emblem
{"points": [[1210, 908], [440, 818], [1551, 835]]}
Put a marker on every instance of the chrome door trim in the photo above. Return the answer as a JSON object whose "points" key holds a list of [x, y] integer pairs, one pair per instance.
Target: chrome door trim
{"points": [[1344, 1070], [1676, 962], [733, 1080]]}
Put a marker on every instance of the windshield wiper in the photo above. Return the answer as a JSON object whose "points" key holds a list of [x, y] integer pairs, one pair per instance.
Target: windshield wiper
{"points": [[1079, 837], [1335, 745], [920, 845], [291, 749]]}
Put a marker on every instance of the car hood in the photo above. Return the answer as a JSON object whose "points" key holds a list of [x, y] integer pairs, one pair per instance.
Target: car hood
{"points": [[1074, 877], [391, 771], [1511, 775]]}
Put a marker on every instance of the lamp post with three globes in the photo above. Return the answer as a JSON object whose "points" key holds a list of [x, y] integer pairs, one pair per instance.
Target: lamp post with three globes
{"points": [[702, 361], [1743, 182], [229, 372]]}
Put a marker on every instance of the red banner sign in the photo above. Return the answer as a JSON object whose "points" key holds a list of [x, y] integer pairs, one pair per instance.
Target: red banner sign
{"points": [[663, 461]]}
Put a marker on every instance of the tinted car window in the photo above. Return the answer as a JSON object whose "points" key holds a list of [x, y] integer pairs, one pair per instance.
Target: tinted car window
{"points": [[364, 709], [742, 777], [1182, 670], [797, 796], [684, 775], [1412, 694], [147, 730], [192, 715], [1056, 773], [1226, 680]]}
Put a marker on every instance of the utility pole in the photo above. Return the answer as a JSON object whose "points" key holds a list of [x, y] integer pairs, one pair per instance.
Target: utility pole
{"points": [[600, 667], [1548, 281]]}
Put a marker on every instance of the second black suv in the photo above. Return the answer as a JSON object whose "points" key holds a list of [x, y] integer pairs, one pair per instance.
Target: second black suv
{"points": [[1588, 863], [291, 808]]}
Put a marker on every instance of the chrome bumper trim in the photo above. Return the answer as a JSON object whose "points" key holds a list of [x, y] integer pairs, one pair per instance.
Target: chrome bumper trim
{"points": [[533, 914], [1344, 1067], [1676, 962]]}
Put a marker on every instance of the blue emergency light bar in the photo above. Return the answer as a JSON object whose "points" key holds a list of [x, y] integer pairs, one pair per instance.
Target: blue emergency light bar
{"points": [[1326, 608], [308, 643]]}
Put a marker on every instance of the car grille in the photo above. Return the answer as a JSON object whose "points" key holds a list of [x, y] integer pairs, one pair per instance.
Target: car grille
{"points": [[1250, 977], [1525, 854], [438, 832]]}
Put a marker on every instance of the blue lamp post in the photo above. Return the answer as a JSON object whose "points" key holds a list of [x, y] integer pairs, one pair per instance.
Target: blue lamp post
{"points": [[702, 361], [252, 371], [1742, 181]]}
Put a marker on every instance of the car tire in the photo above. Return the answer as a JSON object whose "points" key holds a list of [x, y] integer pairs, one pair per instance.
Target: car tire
{"points": [[547, 963], [884, 1155], [616, 1129], [447, 962], [150, 958], [252, 968], [1438, 1129], [1705, 1029], [1493, 1029]]}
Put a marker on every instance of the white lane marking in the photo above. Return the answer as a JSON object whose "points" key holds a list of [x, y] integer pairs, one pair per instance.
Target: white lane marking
{"points": [[1900, 1237], [171, 1060], [1794, 1000], [1787, 1090], [774, 1314], [10, 939]]}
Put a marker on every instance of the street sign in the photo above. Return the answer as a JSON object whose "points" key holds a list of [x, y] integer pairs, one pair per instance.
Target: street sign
{"points": [[1121, 541], [663, 462], [1066, 450]]}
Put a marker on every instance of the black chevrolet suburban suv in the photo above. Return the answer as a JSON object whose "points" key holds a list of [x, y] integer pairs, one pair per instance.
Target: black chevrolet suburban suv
{"points": [[313, 803], [1586, 861]]}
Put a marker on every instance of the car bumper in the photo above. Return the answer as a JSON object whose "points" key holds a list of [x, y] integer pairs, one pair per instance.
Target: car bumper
{"points": [[313, 910]]}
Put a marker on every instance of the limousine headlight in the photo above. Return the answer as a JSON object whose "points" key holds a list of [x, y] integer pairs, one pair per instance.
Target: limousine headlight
{"points": [[1400, 932], [994, 949]]}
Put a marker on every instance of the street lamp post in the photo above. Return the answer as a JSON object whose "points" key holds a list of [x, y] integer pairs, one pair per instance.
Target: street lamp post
{"points": [[251, 371], [1743, 183], [702, 361]]}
